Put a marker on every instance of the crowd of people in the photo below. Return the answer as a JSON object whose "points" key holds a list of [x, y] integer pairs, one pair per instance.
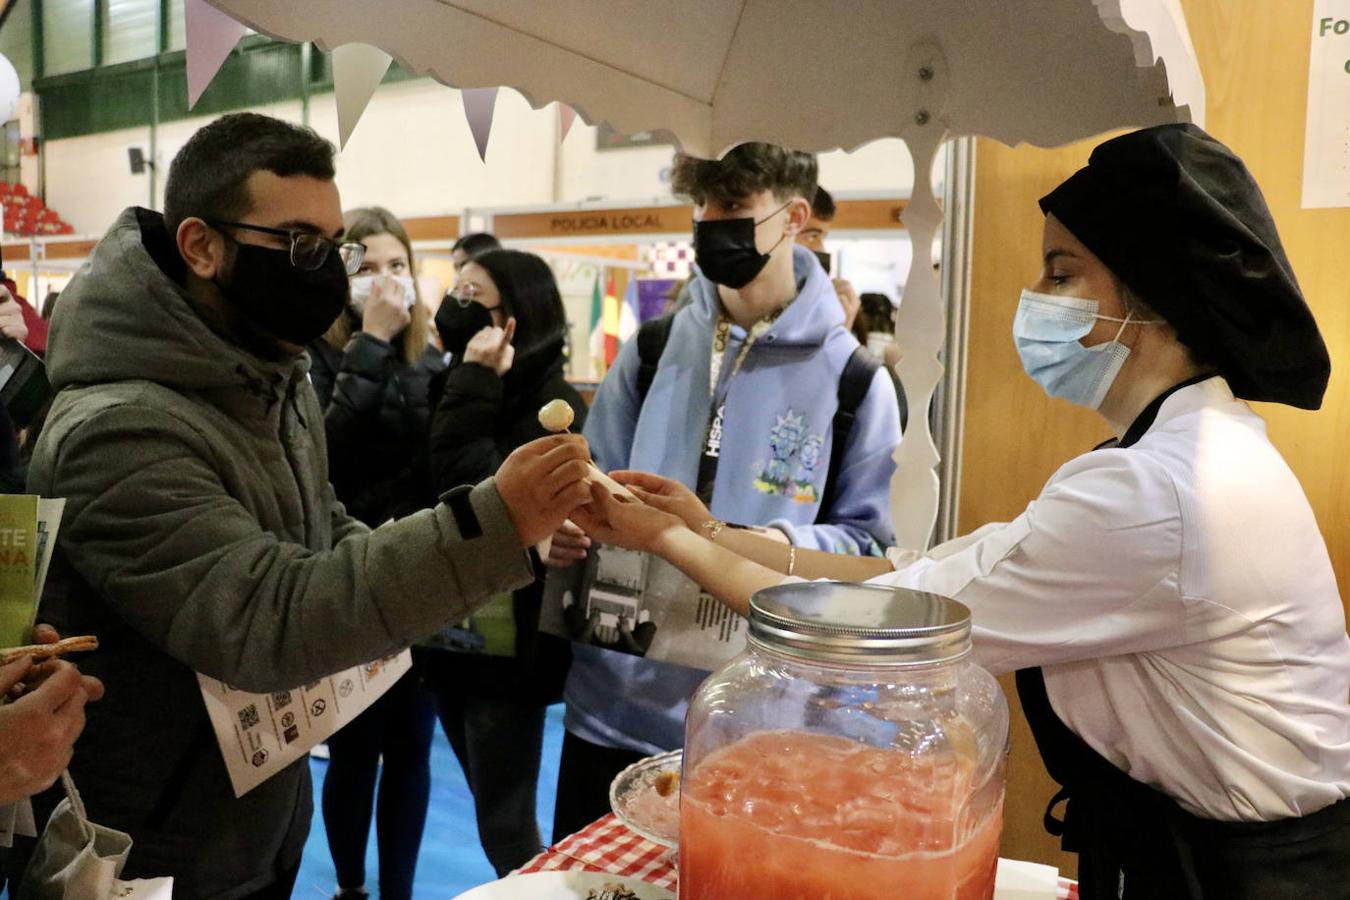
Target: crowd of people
{"points": [[279, 461], [214, 527]]}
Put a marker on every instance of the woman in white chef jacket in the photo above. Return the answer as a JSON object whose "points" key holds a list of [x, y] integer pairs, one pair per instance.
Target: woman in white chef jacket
{"points": [[1167, 600]]}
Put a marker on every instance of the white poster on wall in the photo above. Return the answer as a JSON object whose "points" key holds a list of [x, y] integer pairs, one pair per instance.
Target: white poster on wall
{"points": [[1326, 148]]}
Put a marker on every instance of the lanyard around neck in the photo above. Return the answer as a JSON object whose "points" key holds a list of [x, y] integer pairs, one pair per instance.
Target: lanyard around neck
{"points": [[712, 435], [721, 337]]}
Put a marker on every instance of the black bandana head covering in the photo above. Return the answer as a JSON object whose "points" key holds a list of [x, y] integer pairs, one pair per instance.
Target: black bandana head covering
{"points": [[1177, 218]]}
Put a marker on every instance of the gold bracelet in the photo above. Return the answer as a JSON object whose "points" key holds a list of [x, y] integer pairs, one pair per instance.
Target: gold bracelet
{"points": [[713, 527], [792, 558]]}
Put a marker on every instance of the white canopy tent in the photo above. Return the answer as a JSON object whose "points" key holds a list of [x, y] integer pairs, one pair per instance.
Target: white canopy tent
{"points": [[811, 74]]}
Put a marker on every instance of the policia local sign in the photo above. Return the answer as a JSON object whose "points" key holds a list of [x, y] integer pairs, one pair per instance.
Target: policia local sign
{"points": [[1326, 150], [594, 222], [856, 215]]}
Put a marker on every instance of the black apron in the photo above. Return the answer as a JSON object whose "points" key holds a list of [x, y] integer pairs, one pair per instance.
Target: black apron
{"points": [[1136, 843]]}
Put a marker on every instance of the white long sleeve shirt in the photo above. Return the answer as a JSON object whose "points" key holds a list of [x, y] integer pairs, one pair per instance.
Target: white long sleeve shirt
{"points": [[1179, 597]]}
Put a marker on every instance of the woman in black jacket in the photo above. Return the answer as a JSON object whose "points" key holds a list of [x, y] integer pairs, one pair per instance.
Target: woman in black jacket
{"points": [[372, 372], [493, 678]]}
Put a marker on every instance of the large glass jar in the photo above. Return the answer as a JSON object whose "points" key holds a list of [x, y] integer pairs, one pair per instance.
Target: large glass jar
{"points": [[852, 751]]}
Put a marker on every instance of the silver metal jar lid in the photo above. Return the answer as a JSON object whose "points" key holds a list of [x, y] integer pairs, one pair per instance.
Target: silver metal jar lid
{"points": [[870, 625]]}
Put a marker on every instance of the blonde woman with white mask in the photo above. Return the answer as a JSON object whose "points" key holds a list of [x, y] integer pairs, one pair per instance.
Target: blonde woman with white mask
{"points": [[372, 372]]}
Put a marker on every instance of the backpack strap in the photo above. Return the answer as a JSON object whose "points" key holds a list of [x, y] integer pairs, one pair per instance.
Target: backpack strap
{"points": [[651, 341], [854, 383]]}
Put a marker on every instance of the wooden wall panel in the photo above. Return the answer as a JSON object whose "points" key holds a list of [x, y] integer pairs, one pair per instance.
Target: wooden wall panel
{"points": [[1254, 55], [1015, 436], [432, 228], [871, 214]]}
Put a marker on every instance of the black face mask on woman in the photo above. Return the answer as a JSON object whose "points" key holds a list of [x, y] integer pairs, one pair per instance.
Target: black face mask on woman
{"points": [[458, 324], [726, 252], [282, 301]]}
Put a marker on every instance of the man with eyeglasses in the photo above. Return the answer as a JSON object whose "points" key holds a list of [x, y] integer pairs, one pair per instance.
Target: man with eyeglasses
{"points": [[201, 534]]}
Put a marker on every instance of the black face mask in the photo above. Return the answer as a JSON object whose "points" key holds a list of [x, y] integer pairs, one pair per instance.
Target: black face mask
{"points": [[824, 260], [281, 301], [458, 324], [726, 252]]}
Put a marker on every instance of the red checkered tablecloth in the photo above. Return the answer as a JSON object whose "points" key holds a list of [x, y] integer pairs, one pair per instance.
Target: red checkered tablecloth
{"points": [[609, 846]]}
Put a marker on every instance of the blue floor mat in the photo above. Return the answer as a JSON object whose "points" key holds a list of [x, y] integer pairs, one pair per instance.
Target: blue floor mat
{"points": [[451, 860]]}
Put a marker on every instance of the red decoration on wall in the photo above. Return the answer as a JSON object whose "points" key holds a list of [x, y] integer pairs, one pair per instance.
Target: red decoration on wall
{"points": [[26, 215]]}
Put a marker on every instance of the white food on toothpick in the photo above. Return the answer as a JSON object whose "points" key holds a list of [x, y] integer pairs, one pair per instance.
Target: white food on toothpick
{"points": [[556, 416]]}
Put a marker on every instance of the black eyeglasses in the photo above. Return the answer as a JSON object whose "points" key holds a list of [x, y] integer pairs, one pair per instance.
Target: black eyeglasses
{"points": [[309, 251]]}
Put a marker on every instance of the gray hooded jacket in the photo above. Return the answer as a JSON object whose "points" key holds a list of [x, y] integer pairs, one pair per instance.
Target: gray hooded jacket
{"points": [[201, 535]]}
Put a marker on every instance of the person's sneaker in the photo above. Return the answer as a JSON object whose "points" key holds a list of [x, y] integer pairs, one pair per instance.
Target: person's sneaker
{"points": [[349, 893], [320, 751]]}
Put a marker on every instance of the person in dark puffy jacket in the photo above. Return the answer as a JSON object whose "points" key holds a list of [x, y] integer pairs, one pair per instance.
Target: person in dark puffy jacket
{"points": [[372, 372], [493, 678]]}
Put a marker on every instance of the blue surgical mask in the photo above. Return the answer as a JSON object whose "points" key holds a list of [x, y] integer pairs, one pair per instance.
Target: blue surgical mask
{"points": [[1048, 328]]}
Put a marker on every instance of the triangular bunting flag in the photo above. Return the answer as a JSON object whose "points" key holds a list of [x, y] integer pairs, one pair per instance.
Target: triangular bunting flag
{"points": [[566, 116], [479, 105], [211, 35], [358, 70]]}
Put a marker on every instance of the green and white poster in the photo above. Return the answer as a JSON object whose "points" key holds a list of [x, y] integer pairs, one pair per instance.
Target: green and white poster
{"points": [[1326, 148], [18, 568], [28, 526]]}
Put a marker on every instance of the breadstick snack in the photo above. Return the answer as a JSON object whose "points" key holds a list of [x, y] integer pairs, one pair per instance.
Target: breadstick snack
{"points": [[42, 652]]}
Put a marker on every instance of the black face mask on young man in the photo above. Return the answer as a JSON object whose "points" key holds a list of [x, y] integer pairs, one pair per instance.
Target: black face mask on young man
{"points": [[282, 301], [726, 252], [458, 324]]}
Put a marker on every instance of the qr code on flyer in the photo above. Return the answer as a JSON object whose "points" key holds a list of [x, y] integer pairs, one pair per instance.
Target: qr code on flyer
{"points": [[248, 717]]}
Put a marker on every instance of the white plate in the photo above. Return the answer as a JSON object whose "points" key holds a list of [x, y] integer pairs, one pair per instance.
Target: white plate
{"points": [[633, 797], [565, 886]]}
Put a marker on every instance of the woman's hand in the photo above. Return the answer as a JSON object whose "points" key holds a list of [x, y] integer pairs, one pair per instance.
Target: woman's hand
{"points": [[491, 347], [623, 522], [569, 545], [386, 313], [666, 495]]}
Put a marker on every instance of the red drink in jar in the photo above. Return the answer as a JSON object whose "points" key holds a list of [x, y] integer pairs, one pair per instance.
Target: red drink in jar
{"points": [[853, 751], [782, 814]]}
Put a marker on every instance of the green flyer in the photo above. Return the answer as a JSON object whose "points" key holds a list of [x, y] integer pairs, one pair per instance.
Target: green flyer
{"points": [[18, 568]]}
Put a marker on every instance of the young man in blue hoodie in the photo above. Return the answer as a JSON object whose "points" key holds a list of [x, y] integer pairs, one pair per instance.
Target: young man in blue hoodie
{"points": [[741, 408]]}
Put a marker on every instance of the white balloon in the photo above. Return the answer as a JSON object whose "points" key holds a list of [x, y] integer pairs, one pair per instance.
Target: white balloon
{"points": [[9, 89]]}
